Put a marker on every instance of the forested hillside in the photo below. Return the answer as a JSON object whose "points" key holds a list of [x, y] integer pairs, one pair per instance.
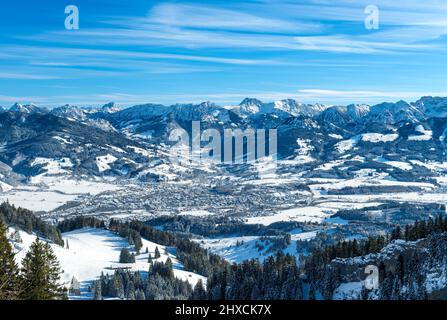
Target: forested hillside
{"points": [[411, 261]]}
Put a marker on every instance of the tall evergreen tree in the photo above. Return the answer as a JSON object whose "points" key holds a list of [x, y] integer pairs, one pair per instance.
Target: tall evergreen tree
{"points": [[157, 253], [8, 268], [141, 295], [97, 291], [40, 278], [199, 292]]}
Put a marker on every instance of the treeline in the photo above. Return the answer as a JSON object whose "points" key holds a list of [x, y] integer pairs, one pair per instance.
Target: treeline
{"points": [[37, 279], [27, 221], [277, 278], [420, 229], [160, 284], [217, 226], [79, 223]]}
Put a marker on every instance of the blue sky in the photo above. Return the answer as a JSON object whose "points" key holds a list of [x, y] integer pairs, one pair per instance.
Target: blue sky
{"points": [[177, 51]]}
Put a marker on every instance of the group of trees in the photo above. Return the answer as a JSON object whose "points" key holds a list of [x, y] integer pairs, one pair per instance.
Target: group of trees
{"points": [[125, 231], [214, 226], [37, 279], [126, 256], [160, 284], [343, 249], [80, 222], [27, 221], [420, 229], [406, 272]]}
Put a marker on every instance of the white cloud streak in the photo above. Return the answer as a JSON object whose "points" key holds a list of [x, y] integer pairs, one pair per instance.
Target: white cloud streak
{"points": [[288, 27]]}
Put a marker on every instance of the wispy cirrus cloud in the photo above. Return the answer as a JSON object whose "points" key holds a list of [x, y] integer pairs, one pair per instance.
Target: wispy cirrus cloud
{"points": [[362, 96], [208, 17], [159, 50], [27, 76], [280, 25], [293, 28], [26, 51], [59, 62]]}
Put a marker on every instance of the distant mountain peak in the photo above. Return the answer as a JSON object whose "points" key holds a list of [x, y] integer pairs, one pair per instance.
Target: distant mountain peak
{"points": [[432, 106], [29, 108], [296, 108], [250, 106], [70, 112], [251, 101], [110, 107]]}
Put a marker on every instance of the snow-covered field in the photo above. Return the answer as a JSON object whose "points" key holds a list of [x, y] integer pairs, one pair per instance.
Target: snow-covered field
{"points": [[397, 164], [238, 249], [53, 166], [103, 162], [378, 137], [234, 249], [36, 199], [316, 213], [4, 187], [348, 291], [423, 136], [93, 251], [375, 179], [196, 213]]}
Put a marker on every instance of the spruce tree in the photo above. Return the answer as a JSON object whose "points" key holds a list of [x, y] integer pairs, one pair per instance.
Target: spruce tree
{"points": [[97, 290], [199, 292], [75, 287], [169, 263], [138, 242], [141, 295], [40, 277], [8, 268], [130, 240], [157, 253]]}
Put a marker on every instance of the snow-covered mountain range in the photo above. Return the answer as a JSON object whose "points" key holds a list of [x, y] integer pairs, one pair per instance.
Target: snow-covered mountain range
{"points": [[124, 137]]}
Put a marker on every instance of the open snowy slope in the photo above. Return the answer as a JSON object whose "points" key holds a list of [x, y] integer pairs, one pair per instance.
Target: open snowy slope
{"points": [[93, 251], [242, 248]]}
